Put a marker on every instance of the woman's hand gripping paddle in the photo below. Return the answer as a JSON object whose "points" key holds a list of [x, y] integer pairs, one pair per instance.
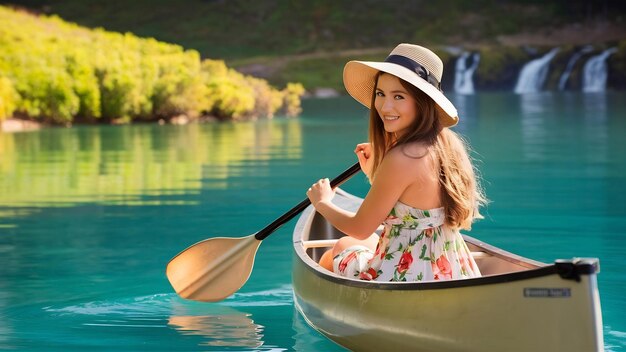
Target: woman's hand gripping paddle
{"points": [[215, 268]]}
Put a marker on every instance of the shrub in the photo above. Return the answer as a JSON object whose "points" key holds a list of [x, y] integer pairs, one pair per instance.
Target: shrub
{"points": [[85, 85], [227, 91], [47, 94], [179, 88], [8, 98], [292, 94], [267, 99], [61, 71]]}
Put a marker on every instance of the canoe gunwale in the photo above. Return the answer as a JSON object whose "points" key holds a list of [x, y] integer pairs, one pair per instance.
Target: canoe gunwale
{"points": [[582, 269]]}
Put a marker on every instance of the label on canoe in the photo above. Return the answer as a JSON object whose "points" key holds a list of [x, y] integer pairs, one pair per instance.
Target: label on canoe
{"points": [[547, 292]]}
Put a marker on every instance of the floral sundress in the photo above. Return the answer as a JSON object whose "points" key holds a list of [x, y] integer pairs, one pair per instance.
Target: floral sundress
{"points": [[414, 245]]}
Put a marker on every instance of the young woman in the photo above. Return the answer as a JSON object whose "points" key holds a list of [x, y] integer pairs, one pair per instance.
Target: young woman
{"points": [[423, 186]]}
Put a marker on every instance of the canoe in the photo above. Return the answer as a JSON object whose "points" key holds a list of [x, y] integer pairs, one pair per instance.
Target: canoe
{"points": [[517, 305]]}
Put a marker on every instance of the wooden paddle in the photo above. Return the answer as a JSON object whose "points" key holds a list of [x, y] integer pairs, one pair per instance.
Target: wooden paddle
{"points": [[215, 268]]}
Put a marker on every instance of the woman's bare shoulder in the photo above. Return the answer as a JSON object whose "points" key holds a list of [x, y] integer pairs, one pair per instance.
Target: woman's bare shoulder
{"points": [[410, 153], [410, 160]]}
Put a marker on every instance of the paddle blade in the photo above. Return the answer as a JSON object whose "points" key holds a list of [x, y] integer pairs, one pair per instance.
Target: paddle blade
{"points": [[213, 269]]}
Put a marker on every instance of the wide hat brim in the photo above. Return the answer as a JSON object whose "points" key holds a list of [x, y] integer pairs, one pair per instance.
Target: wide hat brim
{"points": [[358, 78]]}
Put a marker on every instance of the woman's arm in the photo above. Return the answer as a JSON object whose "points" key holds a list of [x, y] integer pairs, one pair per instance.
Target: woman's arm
{"points": [[396, 172]]}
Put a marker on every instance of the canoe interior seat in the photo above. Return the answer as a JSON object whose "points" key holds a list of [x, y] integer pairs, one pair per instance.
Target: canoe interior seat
{"points": [[480, 255], [319, 243]]}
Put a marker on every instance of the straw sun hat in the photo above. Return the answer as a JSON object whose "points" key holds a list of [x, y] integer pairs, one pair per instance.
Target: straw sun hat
{"points": [[412, 63]]}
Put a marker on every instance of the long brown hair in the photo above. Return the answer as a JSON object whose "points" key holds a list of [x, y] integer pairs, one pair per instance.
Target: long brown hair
{"points": [[460, 191]]}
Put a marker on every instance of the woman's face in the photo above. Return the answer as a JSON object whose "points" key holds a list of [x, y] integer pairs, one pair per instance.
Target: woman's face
{"points": [[395, 106]]}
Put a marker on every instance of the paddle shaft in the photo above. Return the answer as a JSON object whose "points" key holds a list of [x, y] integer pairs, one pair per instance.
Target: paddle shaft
{"points": [[269, 229]]}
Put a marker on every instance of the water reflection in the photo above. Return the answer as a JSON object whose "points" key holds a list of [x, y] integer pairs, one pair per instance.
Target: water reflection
{"points": [[235, 330], [467, 108], [595, 106], [596, 153], [533, 108], [131, 165], [217, 325], [199, 324], [306, 338], [595, 117]]}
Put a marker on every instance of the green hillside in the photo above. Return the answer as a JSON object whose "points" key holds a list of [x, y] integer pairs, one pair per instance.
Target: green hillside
{"points": [[55, 71]]}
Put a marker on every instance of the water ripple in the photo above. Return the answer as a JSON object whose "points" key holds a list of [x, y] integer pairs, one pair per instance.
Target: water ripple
{"points": [[215, 325], [282, 296], [164, 303], [157, 304]]}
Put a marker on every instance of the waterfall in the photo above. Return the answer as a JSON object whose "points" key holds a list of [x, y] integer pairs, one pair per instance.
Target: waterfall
{"points": [[570, 65], [534, 73], [463, 77], [595, 72]]}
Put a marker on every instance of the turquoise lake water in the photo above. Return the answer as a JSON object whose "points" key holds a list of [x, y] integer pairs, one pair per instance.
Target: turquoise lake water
{"points": [[90, 216]]}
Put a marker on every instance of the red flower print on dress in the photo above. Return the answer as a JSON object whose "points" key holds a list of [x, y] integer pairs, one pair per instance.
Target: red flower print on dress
{"points": [[368, 275], [442, 270], [381, 246], [405, 262], [393, 220], [345, 261]]}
